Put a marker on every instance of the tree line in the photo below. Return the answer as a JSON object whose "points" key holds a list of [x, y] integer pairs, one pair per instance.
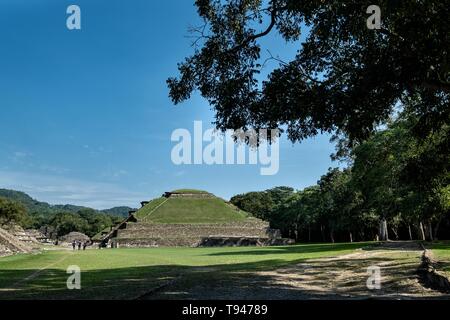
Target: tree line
{"points": [[383, 94], [395, 186], [57, 222]]}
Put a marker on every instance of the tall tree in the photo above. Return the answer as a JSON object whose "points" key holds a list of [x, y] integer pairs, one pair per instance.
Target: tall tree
{"points": [[427, 173], [345, 78], [379, 162], [66, 222], [260, 204]]}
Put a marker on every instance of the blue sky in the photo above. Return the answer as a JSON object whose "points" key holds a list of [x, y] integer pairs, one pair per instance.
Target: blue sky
{"points": [[85, 116]]}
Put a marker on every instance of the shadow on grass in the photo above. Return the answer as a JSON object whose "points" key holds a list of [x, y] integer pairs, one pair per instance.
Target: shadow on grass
{"points": [[296, 249], [438, 245], [441, 255], [395, 246], [122, 283], [271, 279]]}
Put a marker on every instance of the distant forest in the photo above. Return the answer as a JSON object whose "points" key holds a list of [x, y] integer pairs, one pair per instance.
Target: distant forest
{"points": [[55, 220]]}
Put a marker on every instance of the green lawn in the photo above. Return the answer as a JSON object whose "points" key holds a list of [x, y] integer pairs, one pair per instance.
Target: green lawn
{"points": [[130, 273], [441, 253], [148, 208]]}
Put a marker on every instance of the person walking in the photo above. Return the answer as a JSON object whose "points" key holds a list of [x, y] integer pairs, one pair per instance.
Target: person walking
{"points": [[74, 244], [79, 245], [84, 245]]}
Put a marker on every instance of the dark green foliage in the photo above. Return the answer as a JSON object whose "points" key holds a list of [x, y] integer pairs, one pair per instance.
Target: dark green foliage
{"points": [[263, 204], [66, 222], [118, 211], [57, 220], [31, 205], [34, 207], [260, 204], [12, 211], [347, 80], [87, 221], [393, 176], [345, 77]]}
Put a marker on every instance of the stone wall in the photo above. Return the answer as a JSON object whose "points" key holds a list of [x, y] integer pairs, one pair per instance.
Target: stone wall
{"points": [[9, 244], [250, 232], [157, 242], [199, 242], [149, 230], [189, 195], [242, 242]]}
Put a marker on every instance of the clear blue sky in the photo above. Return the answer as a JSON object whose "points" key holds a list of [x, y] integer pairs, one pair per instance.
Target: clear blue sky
{"points": [[85, 116]]}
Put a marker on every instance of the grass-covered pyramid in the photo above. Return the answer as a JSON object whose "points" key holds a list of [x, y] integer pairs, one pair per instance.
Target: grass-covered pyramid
{"points": [[189, 217], [190, 206]]}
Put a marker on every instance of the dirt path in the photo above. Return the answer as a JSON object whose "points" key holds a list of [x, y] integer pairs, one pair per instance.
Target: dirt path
{"points": [[343, 277]]}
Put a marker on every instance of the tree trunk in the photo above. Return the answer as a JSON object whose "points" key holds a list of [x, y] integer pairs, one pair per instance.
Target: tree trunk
{"points": [[430, 231], [362, 236], [436, 229], [351, 237], [384, 236], [332, 235], [309, 233], [394, 231], [421, 232], [409, 231], [322, 231]]}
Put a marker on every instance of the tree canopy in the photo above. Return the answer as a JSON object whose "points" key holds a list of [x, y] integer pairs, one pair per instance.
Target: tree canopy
{"points": [[345, 78], [396, 186], [12, 212]]}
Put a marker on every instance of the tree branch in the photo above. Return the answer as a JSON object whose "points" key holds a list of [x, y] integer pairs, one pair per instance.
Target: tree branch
{"points": [[273, 20], [434, 85]]}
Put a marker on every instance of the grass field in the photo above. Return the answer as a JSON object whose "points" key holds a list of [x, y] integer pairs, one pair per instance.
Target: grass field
{"points": [[132, 273], [148, 208], [441, 253]]}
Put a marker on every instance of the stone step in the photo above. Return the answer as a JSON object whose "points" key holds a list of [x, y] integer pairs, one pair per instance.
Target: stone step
{"points": [[13, 243], [191, 232], [200, 242]]}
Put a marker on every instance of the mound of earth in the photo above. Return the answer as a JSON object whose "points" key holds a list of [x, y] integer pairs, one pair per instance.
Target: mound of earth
{"points": [[75, 236], [201, 207]]}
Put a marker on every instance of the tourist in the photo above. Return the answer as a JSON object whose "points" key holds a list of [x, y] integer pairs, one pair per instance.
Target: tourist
{"points": [[84, 245], [74, 244], [79, 245]]}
